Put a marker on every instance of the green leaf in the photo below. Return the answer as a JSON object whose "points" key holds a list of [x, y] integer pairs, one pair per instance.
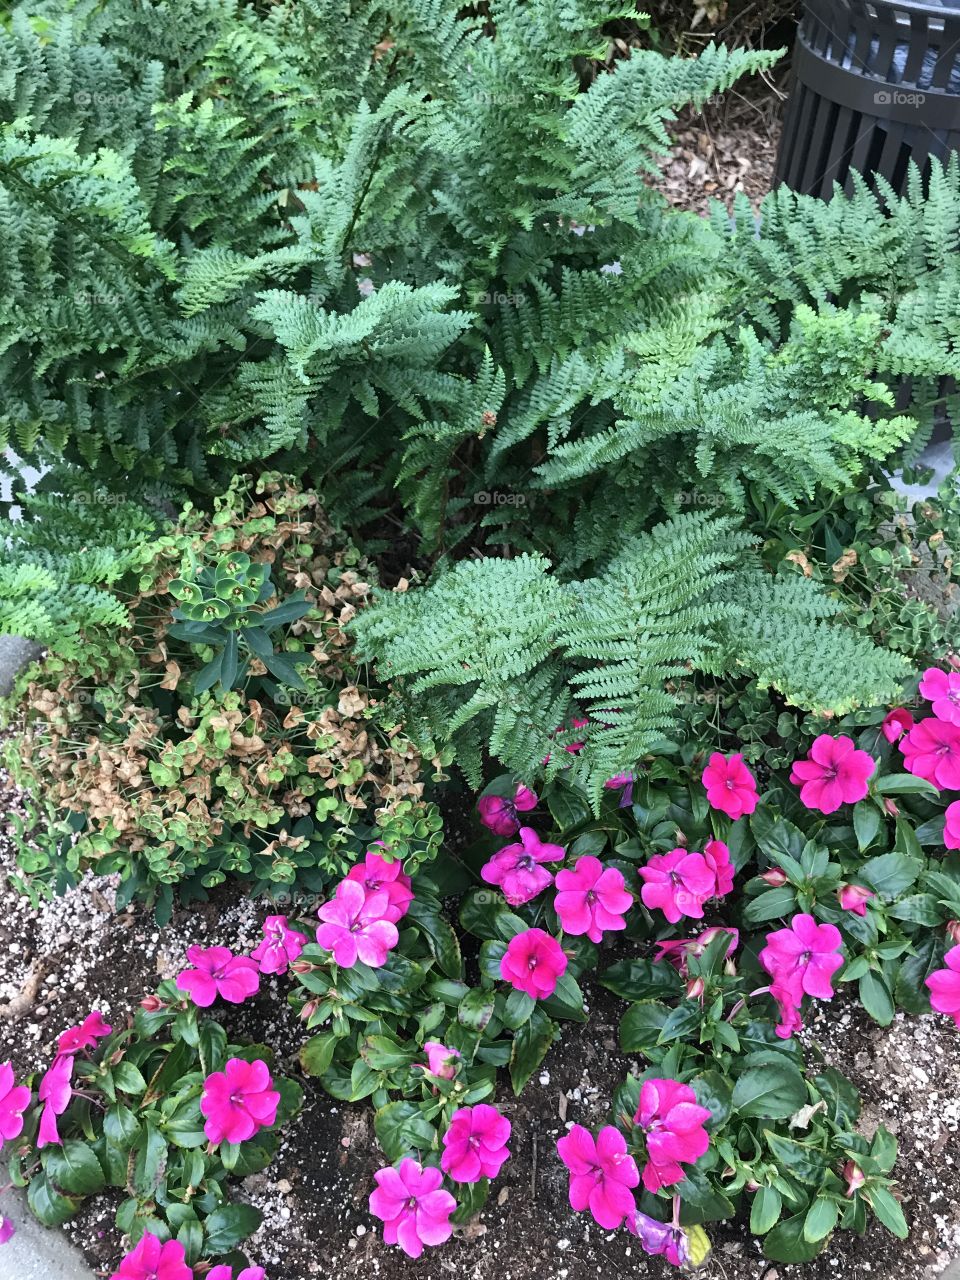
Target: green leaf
{"points": [[530, 1045], [402, 1130], [517, 1008], [72, 1167], [918, 908], [895, 784], [120, 1125], [48, 1205], [151, 1163], [440, 938], [797, 1159], [910, 990], [821, 1219], [765, 1211], [887, 1210], [772, 1092], [641, 980], [681, 1022], [476, 1009], [891, 873], [384, 1054], [641, 1025], [128, 1079], [471, 1197], [317, 1054], [228, 1226], [786, 1242], [866, 823], [773, 904], [566, 1000], [876, 998]]}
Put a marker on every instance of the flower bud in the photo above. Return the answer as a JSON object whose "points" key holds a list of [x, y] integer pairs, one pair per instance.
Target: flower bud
{"points": [[695, 989], [890, 807], [753, 1186], [775, 877], [953, 931], [152, 1004], [954, 660], [303, 966], [308, 1010], [854, 1176]]}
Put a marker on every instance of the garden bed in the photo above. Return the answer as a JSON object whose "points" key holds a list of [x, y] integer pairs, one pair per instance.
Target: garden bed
{"points": [[314, 1196]]}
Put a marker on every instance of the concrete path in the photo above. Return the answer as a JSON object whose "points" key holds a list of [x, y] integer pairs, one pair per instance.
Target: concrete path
{"points": [[36, 1253]]}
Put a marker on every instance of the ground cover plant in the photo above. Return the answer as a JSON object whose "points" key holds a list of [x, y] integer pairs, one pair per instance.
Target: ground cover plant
{"points": [[390, 423]]}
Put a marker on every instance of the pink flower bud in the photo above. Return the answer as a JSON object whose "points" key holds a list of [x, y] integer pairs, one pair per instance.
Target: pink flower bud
{"points": [[775, 877], [695, 989], [953, 930], [308, 1010], [890, 807], [854, 1176], [303, 966], [854, 897], [753, 1186], [152, 1004]]}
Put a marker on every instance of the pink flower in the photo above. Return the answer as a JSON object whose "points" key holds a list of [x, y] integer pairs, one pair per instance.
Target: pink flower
{"points": [[533, 962], [944, 986], [238, 1101], [679, 950], [224, 1272], [591, 899], [576, 722], [853, 897], [515, 868], [376, 874], [659, 1239], [678, 882], [55, 1093], [499, 813], [218, 972], [622, 782], [717, 857], [356, 926], [673, 1123], [602, 1174], [731, 787], [788, 1004], [92, 1029], [151, 1260], [441, 1061], [835, 772], [804, 957], [413, 1207], [951, 830], [942, 690], [14, 1100], [931, 750], [475, 1144], [896, 723], [854, 1177], [7, 1229], [281, 945]]}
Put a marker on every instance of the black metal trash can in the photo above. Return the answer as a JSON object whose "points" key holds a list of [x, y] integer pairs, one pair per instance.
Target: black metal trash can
{"points": [[876, 84]]}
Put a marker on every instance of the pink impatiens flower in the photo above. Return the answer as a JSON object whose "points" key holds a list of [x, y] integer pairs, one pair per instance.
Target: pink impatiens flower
{"points": [[835, 772], [7, 1229], [622, 782], [441, 1061], [591, 899], [804, 957], [151, 1260], [14, 1100], [414, 1208], [218, 972], [678, 951], [602, 1174], [92, 1029], [731, 787], [944, 986], [717, 857], [499, 813], [376, 874], [224, 1272], [951, 830], [516, 867], [475, 1144], [533, 962], [356, 926], [854, 897], [678, 882], [896, 723], [55, 1093], [281, 945], [660, 1239], [942, 690], [788, 1005], [931, 750], [672, 1121], [238, 1101]]}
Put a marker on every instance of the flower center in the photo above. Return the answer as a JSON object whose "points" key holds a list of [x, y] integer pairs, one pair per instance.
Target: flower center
{"points": [[532, 963], [525, 862], [591, 897]]}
